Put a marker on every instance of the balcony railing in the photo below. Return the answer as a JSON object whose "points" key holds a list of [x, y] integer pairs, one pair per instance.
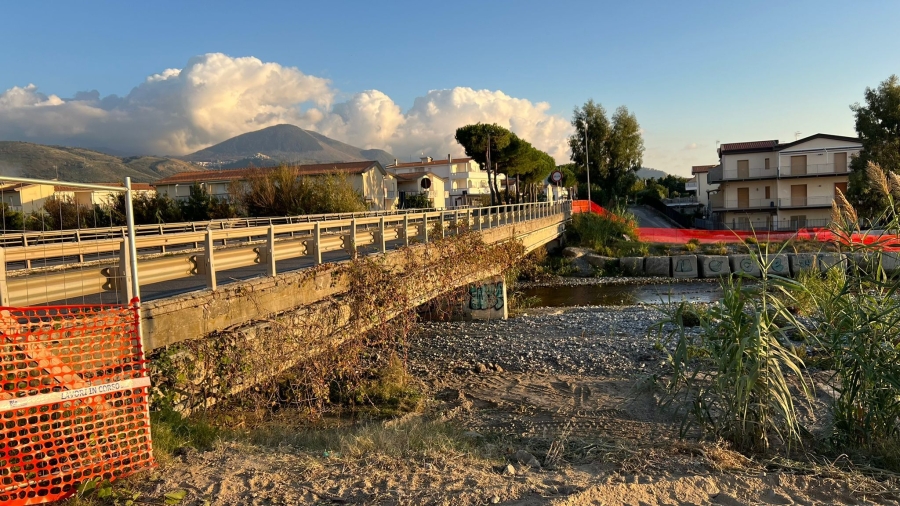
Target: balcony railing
{"points": [[743, 204], [691, 186], [739, 174], [805, 202], [817, 169], [680, 201]]}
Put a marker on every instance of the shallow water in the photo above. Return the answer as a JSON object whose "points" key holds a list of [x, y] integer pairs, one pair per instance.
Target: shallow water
{"points": [[624, 295]]}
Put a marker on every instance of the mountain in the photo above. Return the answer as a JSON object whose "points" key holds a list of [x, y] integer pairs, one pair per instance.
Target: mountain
{"points": [[24, 159], [647, 173], [283, 143]]}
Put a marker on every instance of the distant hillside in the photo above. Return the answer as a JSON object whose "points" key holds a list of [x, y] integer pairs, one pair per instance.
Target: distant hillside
{"points": [[647, 173], [24, 159], [283, 143]]}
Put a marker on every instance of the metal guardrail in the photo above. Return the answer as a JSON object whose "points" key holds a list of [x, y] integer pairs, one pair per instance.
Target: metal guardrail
{"points": [[204, 252]]}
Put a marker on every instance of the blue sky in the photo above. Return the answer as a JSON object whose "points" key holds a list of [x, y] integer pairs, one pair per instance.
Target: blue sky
{"points": [[693, 73]]}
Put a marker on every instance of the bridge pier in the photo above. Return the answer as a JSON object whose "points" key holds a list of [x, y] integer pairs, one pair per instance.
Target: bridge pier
{"points": [[486, 300]]}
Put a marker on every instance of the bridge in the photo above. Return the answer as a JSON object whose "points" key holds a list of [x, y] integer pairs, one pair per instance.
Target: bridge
{"points": [[194, 279]]}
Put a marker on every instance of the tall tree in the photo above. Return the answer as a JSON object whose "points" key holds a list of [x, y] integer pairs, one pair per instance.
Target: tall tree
{"points": [[878, 127], [475, 138], [614, 150]]}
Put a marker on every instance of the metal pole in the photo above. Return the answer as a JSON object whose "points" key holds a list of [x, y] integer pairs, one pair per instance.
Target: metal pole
{"points": [[132, 246], [587, 163]]}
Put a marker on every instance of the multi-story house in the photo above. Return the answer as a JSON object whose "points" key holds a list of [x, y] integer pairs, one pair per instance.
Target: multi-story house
{"points": [[767, 185], [466, 183], [699, 184], [25, 197], [377, 187]]}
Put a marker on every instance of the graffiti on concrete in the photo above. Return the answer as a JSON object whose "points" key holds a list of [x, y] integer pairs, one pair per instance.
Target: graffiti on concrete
{"points": [[486, 296]]}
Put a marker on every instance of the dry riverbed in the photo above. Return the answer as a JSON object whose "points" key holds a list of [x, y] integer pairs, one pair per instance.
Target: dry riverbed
{"points": [[554, 407]]}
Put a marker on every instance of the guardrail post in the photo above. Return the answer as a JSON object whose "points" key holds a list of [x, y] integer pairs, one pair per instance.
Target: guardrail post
{"points": [[78, 241], [442, 224], [353, 252], [123, 281], [382, 246], [424, 230], [270, 246], [478, 217], [4, 287], [317, 243], [209, 261], [406, 229], [25, 244]]}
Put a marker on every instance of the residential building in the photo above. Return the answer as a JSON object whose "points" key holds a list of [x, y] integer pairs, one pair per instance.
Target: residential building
{"points": [[89, 198], [769, 185], [467, 184], [377, 187], [699, 184], [25, 197], [422, 183]]}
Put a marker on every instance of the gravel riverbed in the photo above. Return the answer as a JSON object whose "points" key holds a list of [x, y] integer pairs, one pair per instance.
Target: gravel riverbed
{"points": [[594, 341]]}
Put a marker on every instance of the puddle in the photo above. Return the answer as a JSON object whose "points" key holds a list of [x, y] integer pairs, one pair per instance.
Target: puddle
{"points": [[624, 295]]}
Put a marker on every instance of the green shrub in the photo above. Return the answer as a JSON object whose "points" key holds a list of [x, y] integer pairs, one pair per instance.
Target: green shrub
{"points": [[612, 235], [691, 247], [730, 379]]}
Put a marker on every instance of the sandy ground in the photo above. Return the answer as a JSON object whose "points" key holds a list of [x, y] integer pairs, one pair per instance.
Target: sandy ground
{"points": [[545, 422]]}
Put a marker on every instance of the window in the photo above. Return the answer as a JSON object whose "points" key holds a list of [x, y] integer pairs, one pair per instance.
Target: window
{"points": [[768, 188], [767, 168]]}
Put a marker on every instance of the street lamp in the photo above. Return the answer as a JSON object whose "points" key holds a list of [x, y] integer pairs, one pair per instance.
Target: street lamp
{"points": [[587, 165]]}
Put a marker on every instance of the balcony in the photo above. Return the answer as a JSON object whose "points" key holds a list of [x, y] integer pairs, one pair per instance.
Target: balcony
{"points": [[717, 175], [741, 204], [691, 184], [819, 169], [795, 202], [681, 201]]}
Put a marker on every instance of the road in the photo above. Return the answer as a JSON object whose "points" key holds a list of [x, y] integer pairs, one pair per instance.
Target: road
{"points": [[648, 218]]}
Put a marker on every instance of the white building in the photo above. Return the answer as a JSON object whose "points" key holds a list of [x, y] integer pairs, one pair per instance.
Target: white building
{"points": [[699, 184], [769, 185], [467, 184], [89, 198], [25, 197], [428, 184]]}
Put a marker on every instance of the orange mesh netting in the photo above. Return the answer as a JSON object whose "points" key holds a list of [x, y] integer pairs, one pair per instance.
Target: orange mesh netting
{"points": [[73, 402]]}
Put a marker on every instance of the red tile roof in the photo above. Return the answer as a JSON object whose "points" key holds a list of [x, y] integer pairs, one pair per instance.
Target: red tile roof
{"points": [[748, 146], [134, 186], [700, 169], [425, 164], [237, 174]]}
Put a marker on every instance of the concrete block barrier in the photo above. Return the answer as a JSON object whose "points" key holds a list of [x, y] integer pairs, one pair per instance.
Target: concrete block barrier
{"points": [[825, 261], [744, 264], [632, 266], [778, 265], [713, 266], [684, 266], [657, 266], [802, 262]]}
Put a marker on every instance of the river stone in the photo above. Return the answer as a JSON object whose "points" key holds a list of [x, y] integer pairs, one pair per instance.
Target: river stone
{"points": [[583, 269], [684, 266], [827, 261], [601, 262], [744, 264], [778, 265], [573, 252], [657, 266], [712, 266], [802, 262], [632, 266]]}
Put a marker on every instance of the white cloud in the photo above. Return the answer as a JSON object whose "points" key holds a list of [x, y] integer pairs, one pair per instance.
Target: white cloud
{"points": [[215, 97]]}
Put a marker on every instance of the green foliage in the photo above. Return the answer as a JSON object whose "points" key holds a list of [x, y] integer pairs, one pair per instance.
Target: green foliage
{"points": [[611, 235], [12, 220], [614, 151], [690, 247], [171, 431], [878, 128], [284, 192], [719, 248], [731, 377], [417, 201], [388, 391]]}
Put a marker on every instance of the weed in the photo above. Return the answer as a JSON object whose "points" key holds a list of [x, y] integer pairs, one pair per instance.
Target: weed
{"points": [[171, 431], [691, 247]]}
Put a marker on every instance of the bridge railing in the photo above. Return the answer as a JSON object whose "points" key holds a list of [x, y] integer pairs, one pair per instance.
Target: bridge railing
{"points": [[46, 272]]}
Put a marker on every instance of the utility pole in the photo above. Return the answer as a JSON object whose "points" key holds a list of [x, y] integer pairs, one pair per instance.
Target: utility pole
{"points": [[587, 164], [488, 156]]}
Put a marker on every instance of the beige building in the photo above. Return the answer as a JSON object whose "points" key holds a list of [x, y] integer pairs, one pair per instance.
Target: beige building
{"points": [[467, 184], [88, 198], [767, 185], [429, 184], [378, 188], [25, 197], [699, 184]]}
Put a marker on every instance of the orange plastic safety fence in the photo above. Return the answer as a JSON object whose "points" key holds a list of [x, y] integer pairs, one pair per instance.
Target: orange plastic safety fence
{"points": [[73, 400]]}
